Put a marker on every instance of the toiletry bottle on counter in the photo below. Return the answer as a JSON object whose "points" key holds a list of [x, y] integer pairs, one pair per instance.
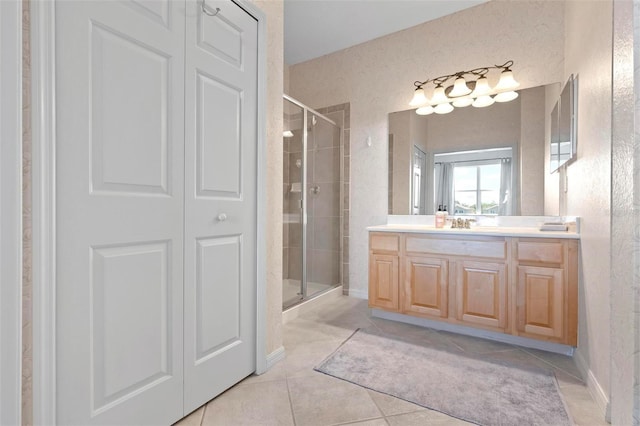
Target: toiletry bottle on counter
{"points": [[440, 218], [446, 214]]}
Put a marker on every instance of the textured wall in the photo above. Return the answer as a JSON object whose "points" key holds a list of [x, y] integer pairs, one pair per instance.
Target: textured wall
{"points": [[624, 198], [275, 71], [286, 79], [589, 177], [635, 329], [376, 77]]}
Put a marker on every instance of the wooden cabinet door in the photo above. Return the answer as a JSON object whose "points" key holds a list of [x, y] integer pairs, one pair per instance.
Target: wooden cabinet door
{"points": [[540, 301], [426, 286], [482, 294], [383, 282]]}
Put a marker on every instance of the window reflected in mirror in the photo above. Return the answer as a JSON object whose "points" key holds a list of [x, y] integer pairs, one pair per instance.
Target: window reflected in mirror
{"points": [[474, 182]]}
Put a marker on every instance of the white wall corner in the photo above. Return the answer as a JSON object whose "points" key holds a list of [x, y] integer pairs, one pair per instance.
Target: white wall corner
{"points": [[275, 357], [360, 294], [594, 387]]}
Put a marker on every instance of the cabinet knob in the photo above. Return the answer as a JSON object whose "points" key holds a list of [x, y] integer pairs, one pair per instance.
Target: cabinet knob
{"points": [[222, 217]]}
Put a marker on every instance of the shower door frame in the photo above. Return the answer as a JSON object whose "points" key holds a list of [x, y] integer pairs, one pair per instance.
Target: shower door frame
{"points": [[303, 178]]}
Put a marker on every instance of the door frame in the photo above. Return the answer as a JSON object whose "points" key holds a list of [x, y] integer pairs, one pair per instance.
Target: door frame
{"points": [[11, 217], [43, 57]]}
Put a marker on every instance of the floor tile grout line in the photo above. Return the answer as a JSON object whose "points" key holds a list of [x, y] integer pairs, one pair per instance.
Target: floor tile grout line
{"points": [[357, 421], [293, 414], [203, 413], [553, 365], [374, 402]]}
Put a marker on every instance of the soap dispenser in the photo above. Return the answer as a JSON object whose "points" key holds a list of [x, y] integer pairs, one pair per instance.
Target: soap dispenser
{"points": [[440, 217]]}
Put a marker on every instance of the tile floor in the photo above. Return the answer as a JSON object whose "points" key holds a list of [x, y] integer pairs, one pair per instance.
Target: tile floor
{"points": [[291, 393]]}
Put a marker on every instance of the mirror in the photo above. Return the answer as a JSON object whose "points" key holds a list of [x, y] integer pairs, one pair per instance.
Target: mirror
{"points": [[563, 126], [495, 158]]}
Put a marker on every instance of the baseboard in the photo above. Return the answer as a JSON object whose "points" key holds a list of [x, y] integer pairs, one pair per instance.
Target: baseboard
{"points": [[468, 331], [360, 294], [274, 357], [594, 387]]}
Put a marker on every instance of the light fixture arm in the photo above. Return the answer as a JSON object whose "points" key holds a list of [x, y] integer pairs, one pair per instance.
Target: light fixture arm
{"points": [[478, 72]]}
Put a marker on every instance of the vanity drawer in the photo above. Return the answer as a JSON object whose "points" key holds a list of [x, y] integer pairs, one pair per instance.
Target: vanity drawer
{"points": [[384, 242], [496, 249], [544, 252]]}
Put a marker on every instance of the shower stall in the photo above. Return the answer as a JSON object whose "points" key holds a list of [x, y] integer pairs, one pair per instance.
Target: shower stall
{"points": [[312, 204]]}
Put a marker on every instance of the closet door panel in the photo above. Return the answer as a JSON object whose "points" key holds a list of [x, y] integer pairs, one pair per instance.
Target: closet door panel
{"points": [[119, 212], [219, 165], [220, 199]]}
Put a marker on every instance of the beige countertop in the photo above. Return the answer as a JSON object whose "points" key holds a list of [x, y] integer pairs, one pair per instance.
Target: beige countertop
{"points": [[499, 231]]}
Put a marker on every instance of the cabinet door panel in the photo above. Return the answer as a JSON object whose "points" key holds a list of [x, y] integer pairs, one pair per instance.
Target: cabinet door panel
{"points": [[482, 294], [540, 294], [383, 282], [426, 286]]}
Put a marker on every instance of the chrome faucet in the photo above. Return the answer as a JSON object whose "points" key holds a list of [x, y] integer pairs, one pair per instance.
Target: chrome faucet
{"points": [[460, 223]]}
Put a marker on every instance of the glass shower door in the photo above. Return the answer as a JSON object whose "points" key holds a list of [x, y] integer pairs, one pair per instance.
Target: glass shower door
{"points": [[292, 224], [323, 205], [312, 204]]}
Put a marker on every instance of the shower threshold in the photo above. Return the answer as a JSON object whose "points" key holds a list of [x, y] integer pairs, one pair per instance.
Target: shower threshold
{"points": [[330, 293]]}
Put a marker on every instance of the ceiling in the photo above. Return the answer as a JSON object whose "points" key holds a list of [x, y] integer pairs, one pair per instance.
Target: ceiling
{"points": [[314, 28]]}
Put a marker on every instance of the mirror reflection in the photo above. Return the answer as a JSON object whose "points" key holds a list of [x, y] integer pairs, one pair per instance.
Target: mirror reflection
{"points": [[472, 161], [563, 126]]}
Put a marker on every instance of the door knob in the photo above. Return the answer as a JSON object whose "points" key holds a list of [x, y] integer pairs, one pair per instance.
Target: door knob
{"points": [[222, 217]]}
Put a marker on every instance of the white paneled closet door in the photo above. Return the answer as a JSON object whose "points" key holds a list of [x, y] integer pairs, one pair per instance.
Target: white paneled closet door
{"points": [[120, 204], [156, 104], [220, 199]]}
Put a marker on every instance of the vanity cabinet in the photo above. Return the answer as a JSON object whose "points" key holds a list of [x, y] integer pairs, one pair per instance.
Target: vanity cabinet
{"points": [[383, 284], [546, 289], [384, 288], [481, 297], [426, 286], [521, 286]]}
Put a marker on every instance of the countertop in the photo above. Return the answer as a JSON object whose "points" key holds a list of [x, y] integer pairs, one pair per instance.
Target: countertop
{"points": [[497, 231]]}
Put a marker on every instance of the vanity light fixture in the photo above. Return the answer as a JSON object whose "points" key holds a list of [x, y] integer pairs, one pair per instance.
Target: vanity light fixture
{"points": [[468, 88]]}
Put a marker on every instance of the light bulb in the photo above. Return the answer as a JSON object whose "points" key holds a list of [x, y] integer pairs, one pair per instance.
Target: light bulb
{"points": [[418, 98], [462, 102], [460, 88], [425, 110], [439, 96], [287, 134], [483, 101], [507, 82], [482, 87], [444, 108], [506, 96]]}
